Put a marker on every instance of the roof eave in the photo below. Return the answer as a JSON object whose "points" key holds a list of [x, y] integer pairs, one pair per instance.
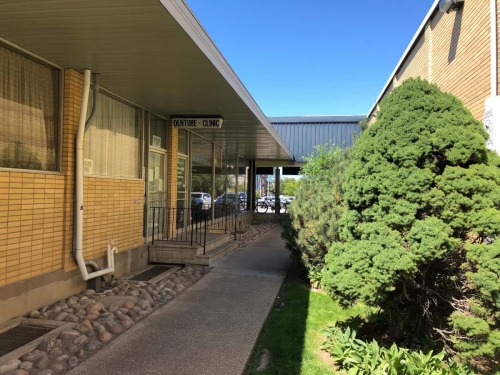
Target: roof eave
{"points": [[188, 21]]}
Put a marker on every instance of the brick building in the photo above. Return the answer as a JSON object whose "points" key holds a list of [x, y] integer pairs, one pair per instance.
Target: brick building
{"points": [[458, 52], [154, 63]]}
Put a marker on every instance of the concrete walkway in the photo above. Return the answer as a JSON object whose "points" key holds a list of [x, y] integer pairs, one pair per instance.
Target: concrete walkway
{"points": [[212, 327]]}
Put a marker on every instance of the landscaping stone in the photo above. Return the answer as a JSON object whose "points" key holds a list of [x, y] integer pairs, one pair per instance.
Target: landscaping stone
{"points": [[128, 305], [62, 358], [56, 368], [56, 352], [115, 329], [71, 334], [92, 345], [26, 365], [81, 354], [43, 362], [72, 361], [18, 372], [33, 355], [72, 318], [11, 365], [73, 349], [45, 372], [81, 340], [84, 327], [59, 316], [105, 336], [127, 323]]}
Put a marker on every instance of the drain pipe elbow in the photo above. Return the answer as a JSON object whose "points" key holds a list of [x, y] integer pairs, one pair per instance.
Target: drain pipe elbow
{"points": [[78, 231]]}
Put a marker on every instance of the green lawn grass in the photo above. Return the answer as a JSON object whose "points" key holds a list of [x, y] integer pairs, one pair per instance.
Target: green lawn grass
{"points": [[292, 333]]}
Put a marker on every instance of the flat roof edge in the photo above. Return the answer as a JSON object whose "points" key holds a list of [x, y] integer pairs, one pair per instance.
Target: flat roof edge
{"points": [[181, 12], [405, 54], [340, 119]]}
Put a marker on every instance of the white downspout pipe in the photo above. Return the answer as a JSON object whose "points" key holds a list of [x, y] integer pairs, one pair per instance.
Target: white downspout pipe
{"points": [[78, 242], [492, 104], [493, 47]]}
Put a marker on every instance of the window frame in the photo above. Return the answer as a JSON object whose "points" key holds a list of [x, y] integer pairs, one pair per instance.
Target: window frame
{"points": [[141, 114], [59, 111]]}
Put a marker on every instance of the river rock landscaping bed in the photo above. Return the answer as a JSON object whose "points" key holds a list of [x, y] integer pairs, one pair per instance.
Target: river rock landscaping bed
{"points": [[251, 232], [98, 319]]}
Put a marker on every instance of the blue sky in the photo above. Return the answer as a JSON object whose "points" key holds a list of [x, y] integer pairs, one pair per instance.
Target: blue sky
{"points": [[316, 57]]}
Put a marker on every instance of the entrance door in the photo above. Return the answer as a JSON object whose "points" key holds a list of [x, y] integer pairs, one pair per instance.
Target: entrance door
{"points": [[182, 192], [156, 194]]}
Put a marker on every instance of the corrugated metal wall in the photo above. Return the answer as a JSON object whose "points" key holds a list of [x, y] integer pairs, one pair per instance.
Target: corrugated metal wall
{"points": [[301, 138]]}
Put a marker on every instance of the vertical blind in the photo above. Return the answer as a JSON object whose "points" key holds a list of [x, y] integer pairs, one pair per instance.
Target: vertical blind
{"points": [[28, 113], [112, 142]]}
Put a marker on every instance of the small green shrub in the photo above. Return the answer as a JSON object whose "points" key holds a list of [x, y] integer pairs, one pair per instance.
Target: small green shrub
{"points": [[368, 358], [315, 275], [312, 224]]}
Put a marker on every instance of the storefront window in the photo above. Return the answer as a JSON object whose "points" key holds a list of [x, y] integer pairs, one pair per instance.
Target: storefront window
{"points": [[232, 179], [243, 183], [157, 132], [29, 113], [201, 173], [112, 142], [183, 142]]}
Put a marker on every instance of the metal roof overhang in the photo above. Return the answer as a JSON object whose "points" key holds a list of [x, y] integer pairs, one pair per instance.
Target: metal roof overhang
{"points": [[152, 52]]}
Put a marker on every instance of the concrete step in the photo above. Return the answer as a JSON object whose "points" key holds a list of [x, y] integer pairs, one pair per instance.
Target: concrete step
{"points": [[174, 252], [217, 252], [214, 243]]}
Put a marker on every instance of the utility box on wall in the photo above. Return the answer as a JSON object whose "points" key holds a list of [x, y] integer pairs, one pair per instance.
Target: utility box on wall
{"points": [[491, 122]]}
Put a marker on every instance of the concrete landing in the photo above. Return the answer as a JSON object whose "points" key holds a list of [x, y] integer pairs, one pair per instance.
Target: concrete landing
{"points": [[211, 328]]}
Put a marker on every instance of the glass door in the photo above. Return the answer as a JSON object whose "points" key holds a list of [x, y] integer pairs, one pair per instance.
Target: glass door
{"points": [[156, 194], [182, 192]]}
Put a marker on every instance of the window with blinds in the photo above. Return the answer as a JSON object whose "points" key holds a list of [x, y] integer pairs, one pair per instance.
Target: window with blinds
{"points": [[29, 112], [112, 141]]}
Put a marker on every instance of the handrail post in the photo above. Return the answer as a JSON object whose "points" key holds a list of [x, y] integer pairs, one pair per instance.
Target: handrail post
{"points": [[153, 226], [191, 217], [205, 239]]}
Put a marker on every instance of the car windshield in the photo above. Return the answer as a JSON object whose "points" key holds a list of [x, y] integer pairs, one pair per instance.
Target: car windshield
{"points": [[196, 195]]}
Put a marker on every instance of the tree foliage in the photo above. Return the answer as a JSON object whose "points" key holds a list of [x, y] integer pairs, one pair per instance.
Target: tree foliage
{"points": [[418, 236], [289, 186], [317, 206]]}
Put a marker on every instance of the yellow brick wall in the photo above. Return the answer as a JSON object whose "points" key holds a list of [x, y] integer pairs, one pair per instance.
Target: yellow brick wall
{"points": [[172, 158], [415, 64], [113, 210], [36, 209], [498, 40], [459, 56]]}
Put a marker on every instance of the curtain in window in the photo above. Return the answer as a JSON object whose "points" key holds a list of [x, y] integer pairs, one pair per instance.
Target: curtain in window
{"points": [[28, 113], [112, 140]]}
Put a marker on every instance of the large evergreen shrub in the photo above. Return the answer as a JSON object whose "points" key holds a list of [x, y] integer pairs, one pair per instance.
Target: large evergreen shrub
{"points": [[317, 207], [419, 234]]}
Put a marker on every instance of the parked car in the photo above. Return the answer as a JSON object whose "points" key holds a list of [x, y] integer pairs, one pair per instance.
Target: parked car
{"points": [[201, 200], [229, 198]]}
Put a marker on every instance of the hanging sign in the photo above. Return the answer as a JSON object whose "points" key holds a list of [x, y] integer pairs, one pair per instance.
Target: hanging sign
{"points": [[197, 122]]}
